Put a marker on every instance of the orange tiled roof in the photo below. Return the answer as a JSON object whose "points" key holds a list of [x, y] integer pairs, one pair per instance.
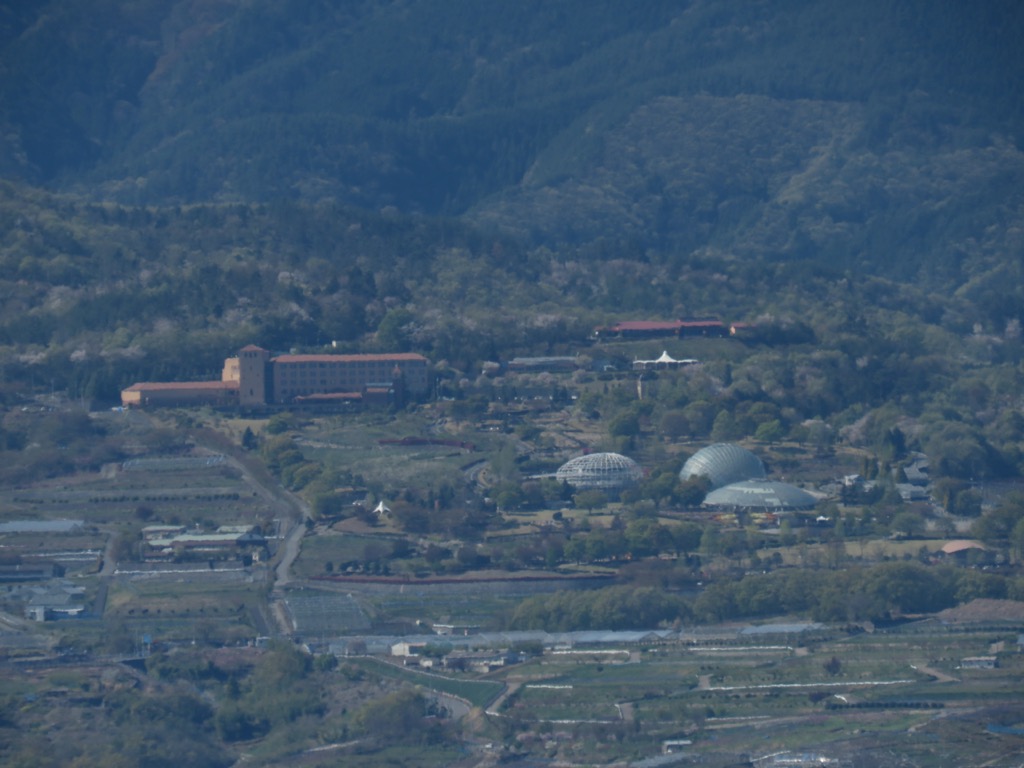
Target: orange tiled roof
{"points": [[647, 325], [396, 357], [158, 386], [331, 396]]}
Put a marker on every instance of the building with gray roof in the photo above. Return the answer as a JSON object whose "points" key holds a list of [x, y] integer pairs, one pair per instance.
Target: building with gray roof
{"points": [[763, 495]]}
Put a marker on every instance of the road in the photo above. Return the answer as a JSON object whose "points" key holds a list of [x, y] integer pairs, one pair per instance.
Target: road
{"points": [[293, 512], [290, 510], [290, 549], [106, 572]]}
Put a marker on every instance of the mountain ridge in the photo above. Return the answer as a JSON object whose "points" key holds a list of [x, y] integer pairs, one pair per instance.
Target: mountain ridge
{"points": [[882, 139], [168, 66]]}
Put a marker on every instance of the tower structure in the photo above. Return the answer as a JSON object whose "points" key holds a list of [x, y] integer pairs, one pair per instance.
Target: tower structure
{"points": [[253, 378]]}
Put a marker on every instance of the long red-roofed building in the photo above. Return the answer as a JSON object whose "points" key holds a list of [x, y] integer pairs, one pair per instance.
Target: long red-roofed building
{"points": [[179, 393], [294, 376], [256, 378]]}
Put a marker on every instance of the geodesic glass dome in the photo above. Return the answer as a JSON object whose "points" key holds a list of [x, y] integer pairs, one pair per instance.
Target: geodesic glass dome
{"points": [[600, 470], [723, 463]]}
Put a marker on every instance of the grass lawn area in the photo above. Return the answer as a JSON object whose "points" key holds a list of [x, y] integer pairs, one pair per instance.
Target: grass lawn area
{"points": [[477, 692], [535, 702], [337, 548]]}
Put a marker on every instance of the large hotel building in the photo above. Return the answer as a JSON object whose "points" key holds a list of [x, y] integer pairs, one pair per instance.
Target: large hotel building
{"points": [[255, 379]]}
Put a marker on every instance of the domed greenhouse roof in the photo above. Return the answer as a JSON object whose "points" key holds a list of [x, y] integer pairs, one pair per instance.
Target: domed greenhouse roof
{"points": [[760, 494], [723, 463], [600, 470]]}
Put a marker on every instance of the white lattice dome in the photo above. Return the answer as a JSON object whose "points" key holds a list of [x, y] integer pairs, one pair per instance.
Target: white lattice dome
{"points": [[600, 470]]}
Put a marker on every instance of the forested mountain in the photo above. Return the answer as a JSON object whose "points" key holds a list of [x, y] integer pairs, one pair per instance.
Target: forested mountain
{"points": [[876, 136], [478, 180]]}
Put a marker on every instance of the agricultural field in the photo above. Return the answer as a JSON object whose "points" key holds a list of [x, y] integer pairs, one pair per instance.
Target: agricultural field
{"points": [[162, 477], [448, 553], [75, 547], [86, 527], [846, 697], [220, 606], [856, 698], [351, 607]]}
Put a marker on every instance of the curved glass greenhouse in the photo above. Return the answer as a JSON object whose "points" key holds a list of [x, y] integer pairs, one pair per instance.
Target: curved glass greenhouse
{"points": [[723, 463], [600, 470], [760, 494]]}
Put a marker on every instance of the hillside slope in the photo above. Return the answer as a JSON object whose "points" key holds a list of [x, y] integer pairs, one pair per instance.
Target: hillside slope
{"points": [[878, 136], [766, 178]]}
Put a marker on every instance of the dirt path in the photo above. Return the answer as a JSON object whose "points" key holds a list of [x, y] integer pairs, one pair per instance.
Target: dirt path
{"points": [[287, 554], [940, 677], [510, 688]]}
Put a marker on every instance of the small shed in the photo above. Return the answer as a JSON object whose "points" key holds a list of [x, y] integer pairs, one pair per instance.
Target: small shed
{"points": [[979, 662], [405, 648]]}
